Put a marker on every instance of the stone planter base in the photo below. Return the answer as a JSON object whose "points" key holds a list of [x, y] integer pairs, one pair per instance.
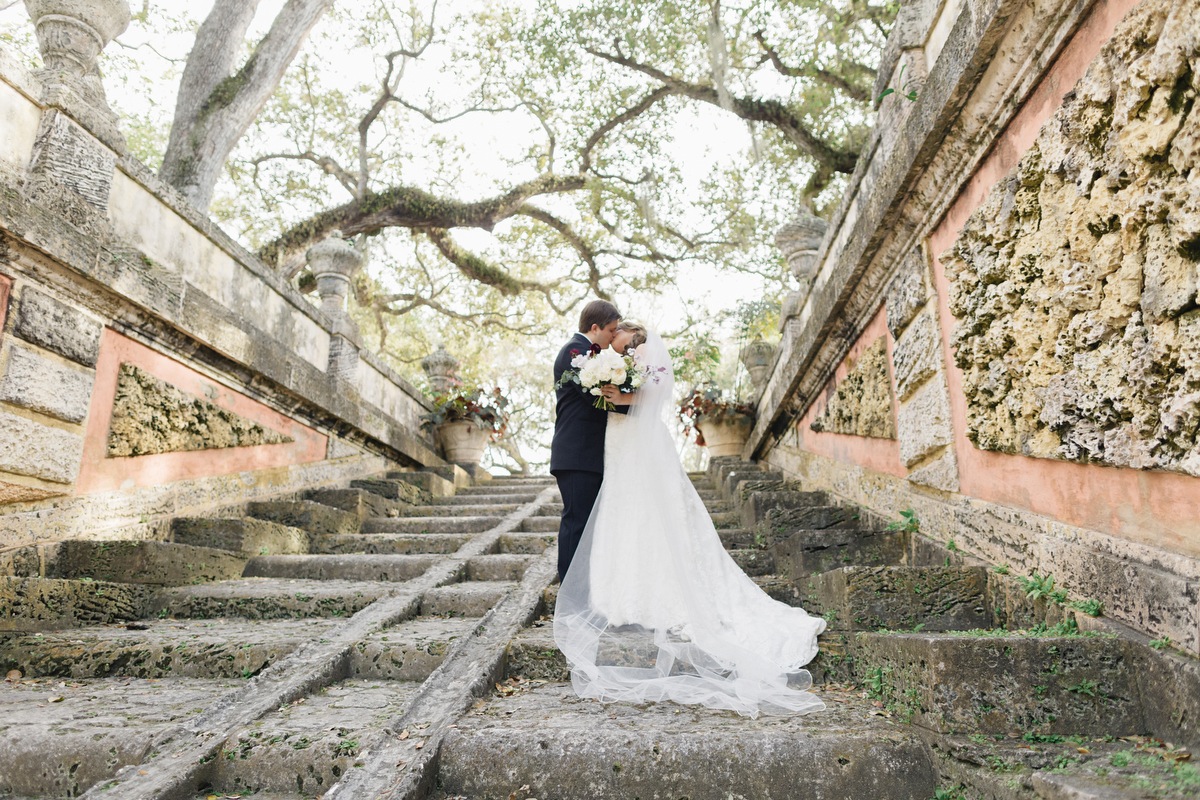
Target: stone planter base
{"points": [[462, 442], [724, 438]]}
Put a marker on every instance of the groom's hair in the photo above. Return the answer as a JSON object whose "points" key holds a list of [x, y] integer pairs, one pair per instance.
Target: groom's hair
{"points": [[597, 312]]}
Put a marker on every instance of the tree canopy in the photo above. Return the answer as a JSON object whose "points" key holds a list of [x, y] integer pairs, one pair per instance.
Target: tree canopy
{"points": [[502, 160]]}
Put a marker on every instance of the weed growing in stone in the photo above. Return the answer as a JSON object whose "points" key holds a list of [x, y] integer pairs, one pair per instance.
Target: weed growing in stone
{"points": [[908, 522], [1000, 569], [1091, 607], [1159, 644], [1041, 587], [953, 793], [1085, 687]]}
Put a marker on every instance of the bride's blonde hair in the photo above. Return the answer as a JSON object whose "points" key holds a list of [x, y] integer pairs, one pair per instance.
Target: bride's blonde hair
{"points": [[636, 328]]}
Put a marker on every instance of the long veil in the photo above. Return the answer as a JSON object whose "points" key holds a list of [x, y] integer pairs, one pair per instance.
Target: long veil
{"points": [[653, 608]]}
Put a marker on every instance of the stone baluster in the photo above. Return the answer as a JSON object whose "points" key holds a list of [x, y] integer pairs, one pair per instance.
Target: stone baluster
{"points": [[800, 242], [441, 368], [334, 262]]}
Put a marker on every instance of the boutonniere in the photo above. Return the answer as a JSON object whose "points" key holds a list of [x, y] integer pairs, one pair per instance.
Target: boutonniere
{"points": [[596, 348]]}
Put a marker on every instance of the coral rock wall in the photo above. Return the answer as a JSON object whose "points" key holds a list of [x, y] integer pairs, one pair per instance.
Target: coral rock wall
{"points": [[862, 403], [1075, 283]]}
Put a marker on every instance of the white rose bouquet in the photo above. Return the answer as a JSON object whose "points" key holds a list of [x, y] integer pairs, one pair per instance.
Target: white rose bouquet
{"points": [[592, 371]]}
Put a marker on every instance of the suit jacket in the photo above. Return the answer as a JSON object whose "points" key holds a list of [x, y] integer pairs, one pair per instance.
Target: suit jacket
{"points": [[578, 426]]}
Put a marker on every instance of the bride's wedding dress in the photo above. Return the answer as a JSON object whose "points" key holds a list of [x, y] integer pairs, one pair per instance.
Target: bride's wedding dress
{"points": [[653, 608]]}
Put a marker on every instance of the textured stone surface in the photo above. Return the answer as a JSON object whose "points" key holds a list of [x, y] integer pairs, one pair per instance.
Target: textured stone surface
{"points": [[40, 451], [810, 552], [151, 416], [156, 563], [40, 384], [997, 684], [33, 604], [244, 535], [260, 598], [398, 491], [18, 493], [356, 567], [1075, 282], [924, 423], [40, 319], [861, 404], [908, 292], [315, 518], [917, 355], [561, 746], [859, 598], [940, 473]]}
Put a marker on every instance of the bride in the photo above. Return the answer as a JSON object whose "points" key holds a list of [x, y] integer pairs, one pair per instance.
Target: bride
{"points": [[653, 608]]}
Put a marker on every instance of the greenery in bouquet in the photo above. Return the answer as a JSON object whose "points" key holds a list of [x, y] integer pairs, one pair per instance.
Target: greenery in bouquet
{"points": [[709, 404], [487, 409]]}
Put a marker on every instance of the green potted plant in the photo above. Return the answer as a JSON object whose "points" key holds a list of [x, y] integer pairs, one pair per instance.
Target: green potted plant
{"points": [[721, 425], [465, 420]]}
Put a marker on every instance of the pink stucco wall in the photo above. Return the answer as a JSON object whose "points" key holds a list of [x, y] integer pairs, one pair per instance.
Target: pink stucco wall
{"points": [[1156, 508], [99, 473], [880, 455]]}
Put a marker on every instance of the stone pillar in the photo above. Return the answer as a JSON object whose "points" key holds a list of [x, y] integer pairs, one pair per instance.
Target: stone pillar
{"points": [[334, 262], [800, 242], [71, 35], [441, 368]]}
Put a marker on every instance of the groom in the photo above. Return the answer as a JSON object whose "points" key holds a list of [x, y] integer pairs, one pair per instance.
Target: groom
{"points": [[577, 452]]}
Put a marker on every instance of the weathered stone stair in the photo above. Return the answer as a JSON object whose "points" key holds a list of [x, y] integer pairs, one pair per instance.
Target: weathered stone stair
{"points": [[406, 652]]}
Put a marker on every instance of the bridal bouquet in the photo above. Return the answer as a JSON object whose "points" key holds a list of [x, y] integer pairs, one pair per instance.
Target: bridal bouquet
{"points": [[594, 370]]}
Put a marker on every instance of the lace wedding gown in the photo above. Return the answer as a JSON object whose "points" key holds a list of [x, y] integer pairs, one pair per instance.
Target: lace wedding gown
{"points": [[653, 608]]}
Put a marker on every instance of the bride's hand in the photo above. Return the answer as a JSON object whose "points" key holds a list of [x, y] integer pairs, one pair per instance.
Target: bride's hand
{"points": [[613, 395]]}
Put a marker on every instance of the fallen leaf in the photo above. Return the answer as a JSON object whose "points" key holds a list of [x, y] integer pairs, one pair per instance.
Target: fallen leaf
{"points": [[403, 735], [58, 699], [13, 675], [418, 745]]}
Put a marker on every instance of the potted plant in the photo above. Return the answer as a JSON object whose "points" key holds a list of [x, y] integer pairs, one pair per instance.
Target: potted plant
{"points": [[721, 425], [465, 420]]}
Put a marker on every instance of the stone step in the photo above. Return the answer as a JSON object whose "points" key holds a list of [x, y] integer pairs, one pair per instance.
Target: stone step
{"points": [[736, 484], [781, 523], [396, 491], [431, 483], [508, 498], [557, 745], [267, 598], [309, 746], [40, 604], [533, 656], [753, 561], [550, 510], [809, 552], [396, 544], [500, 567], [734, 538], [244, 535], [359, 502], [996, 683], [529, 544], [482, 510], [756, 505], [224, 648], [431, 524], [62, 737], [354, 567], [473, 599], [540, 525], [153, 563], [725, 519], [781, 589], [317, 519], [870, 598], [489, 490], [409, 651]]}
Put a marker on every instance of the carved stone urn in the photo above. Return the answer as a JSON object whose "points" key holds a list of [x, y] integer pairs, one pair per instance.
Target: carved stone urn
{"points": [[757, 358], [463, 441], [725, 437], [441, 369], [800, 242], [72, 33], [334, 262]]}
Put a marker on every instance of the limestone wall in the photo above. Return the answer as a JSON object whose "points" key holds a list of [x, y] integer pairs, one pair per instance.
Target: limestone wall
{"points": [[1027, 228], [149, 365]]}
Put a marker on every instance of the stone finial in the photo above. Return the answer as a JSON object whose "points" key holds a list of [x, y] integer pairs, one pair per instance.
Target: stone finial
{"points": [[441, 368], [757, 357], [333, 262], [800, 242], [72, 33]]}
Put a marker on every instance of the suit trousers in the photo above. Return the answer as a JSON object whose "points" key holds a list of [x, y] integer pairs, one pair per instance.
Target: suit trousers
{"points": [[578, 489]]}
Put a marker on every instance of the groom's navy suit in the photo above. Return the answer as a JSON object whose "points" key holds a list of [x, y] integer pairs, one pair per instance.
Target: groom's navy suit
{"points": [[577, 453]]}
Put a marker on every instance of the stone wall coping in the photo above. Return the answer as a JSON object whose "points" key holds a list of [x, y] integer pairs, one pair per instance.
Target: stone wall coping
{"points": [[931, 154]]}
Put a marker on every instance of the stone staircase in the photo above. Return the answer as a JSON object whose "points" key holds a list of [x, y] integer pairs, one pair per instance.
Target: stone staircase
{"points": [[393, 639]]}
